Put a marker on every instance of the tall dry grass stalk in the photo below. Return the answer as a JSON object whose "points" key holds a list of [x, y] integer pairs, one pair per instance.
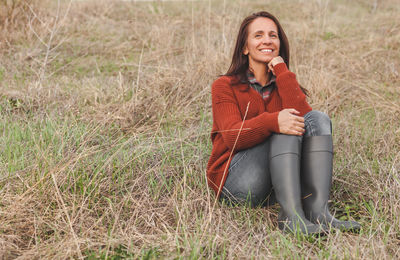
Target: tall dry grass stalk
{"points": [[105, 116]]}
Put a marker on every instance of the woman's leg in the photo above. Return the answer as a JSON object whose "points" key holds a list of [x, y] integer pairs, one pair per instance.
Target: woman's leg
{"points": [[284, 159], [317, 123], [316, 171], [249, 181]]}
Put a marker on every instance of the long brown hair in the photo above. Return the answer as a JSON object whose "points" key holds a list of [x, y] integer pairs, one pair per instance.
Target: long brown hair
{"points": [[240, 61]]}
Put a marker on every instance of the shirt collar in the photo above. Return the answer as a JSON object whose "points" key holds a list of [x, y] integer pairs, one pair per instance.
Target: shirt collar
{"points": [[252, 79]]}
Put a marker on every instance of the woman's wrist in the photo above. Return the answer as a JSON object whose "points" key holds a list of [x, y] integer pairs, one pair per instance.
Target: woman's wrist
{"points": [[280, 68]]}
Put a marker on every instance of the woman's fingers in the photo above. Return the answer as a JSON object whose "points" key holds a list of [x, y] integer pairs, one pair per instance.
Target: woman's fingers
{"points": [[300, 119], [276, 60], [290, 122], [297, 118], [296, 132], [300, 130], [299, 124], [295, 129], [293, 111], [271, 68]]}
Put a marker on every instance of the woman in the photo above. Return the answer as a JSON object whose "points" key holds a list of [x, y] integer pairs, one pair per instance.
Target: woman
{"points": [[267, 141]]}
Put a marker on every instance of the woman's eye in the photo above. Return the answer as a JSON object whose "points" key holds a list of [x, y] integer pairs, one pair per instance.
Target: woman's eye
{"points": [[258, 35], [274, 36]]}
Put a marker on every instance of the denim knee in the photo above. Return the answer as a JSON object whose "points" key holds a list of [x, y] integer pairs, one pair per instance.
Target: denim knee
{"points": [[248, 181], [317, 123]]}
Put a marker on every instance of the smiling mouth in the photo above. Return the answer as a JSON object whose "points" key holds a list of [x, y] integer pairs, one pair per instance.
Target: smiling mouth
{"points": [[266, 50]]}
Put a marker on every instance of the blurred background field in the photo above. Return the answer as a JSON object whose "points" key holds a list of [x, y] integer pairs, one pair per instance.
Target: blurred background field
{"points": [[105, 116]]}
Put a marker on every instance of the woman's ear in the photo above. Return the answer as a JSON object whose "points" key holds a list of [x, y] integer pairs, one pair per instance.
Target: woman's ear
{"points": [[245, 50]]}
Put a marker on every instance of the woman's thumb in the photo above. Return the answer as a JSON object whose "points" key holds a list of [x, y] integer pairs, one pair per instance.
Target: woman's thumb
{"points": [[294, 111]]}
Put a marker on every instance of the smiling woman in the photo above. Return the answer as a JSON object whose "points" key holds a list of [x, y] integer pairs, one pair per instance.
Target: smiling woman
{"points": [[268, 143], [262, 46]]}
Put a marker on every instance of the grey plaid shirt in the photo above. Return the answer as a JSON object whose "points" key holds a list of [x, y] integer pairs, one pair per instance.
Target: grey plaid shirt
{"points": [[265, 91]]}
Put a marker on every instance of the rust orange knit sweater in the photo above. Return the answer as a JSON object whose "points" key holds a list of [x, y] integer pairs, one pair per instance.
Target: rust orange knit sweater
{"points": [[241, 118]]}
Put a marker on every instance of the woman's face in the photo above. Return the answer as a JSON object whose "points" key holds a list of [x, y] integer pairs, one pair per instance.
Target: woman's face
{"points": [[262, 41]]}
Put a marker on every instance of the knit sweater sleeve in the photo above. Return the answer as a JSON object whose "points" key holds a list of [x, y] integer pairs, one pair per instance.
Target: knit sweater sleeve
{"points": [[239, 133], [289, 90]]}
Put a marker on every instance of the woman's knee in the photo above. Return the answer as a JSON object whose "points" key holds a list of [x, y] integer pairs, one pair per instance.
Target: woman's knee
{"points": [[248, 180], [317, 123], [252, 190]]}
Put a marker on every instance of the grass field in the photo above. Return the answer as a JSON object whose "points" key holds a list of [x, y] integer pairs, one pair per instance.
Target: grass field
{"points": [[105, 116]]}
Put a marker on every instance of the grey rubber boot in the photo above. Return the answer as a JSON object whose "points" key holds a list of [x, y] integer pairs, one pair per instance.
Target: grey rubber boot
{"points": [[284, 163], [316, 178]]}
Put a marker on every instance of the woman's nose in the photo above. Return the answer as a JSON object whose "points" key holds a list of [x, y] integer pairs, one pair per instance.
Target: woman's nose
{"points": [[267, 39]]}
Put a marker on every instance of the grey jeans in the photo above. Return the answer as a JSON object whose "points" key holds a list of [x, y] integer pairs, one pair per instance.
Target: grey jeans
{"points": [[249, 179]]}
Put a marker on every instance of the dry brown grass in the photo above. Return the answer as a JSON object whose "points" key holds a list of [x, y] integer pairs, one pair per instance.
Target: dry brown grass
{"points": [[105, 118]]}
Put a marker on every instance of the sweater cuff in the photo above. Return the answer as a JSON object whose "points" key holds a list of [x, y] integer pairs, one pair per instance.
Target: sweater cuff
{"points": [[272, 118], [280, 68]]}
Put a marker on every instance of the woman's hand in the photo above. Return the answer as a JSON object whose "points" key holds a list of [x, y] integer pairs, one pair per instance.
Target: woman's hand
{"points": [[273, 62], [290, 123]]}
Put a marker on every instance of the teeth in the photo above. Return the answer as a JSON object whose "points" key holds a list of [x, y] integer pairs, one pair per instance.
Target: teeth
{"points": [[266, 50]]}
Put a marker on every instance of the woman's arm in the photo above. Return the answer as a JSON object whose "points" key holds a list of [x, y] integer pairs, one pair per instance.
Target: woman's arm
{"points": [[288, 87], [229, 121]]}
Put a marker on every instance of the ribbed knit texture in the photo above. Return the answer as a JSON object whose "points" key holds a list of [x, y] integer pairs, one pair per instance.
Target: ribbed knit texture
{"points": [[241, 118]]}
